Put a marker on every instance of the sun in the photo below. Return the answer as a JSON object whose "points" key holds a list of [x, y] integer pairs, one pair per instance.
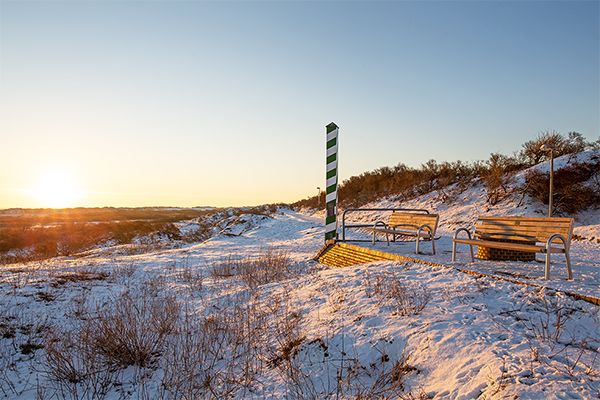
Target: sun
{"points": [[56, 189]]}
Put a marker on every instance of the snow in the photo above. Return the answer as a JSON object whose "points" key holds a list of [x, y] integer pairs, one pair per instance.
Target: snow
{"points": [[459, 207], [474, 338], [383, 329]]}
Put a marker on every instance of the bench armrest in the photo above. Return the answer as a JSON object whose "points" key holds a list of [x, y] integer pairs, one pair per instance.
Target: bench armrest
{"points": [[456, 232], [427, 227], [553, 239]]}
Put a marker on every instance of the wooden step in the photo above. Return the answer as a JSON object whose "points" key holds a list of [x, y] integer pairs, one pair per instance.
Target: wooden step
{"points": [[340, 255]]}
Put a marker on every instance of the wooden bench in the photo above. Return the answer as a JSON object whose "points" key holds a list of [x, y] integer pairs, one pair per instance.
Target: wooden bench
{"points": [[420, 225], [539, 235]]}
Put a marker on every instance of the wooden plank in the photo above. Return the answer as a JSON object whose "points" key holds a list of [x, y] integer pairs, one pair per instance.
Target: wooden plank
{"points": [[509, 246], [424, 233], [521, 224], [540, 235], [350, 255], [517, 218], [413, 216], [521, 227], [416, 219], [524, 232], [539, 227], [506, 236], [339, 257]]}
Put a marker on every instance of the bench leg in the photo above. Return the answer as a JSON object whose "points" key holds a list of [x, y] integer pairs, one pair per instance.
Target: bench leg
{"points": [[569, 271], [547, 268], [453, 251], [387, 238], [417, 249], [373, 236]]}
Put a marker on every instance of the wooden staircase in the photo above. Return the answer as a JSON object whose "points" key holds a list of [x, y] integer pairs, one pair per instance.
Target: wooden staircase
{"points": [[343, 255]]}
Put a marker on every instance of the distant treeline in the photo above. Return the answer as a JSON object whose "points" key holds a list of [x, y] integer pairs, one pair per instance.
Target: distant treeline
{"points": [[405, 182], [36, 234], [45, 216], [33, 234]]}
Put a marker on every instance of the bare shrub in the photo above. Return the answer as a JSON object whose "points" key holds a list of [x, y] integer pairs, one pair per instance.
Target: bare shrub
{"points": [[132, 330], [74, 366], [555, 339], [402, 183], [196, 362], [268, 266], [221, 353], [403, 297], [285, 329], [571, 194], [224, 269], [555, 311], [319, 369], [532, 153], [124, 272], [191, 277], [497, 176]]}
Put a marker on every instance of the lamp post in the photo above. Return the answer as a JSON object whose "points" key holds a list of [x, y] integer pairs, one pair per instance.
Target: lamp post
{"points": [[548, 148], [318, 197]]}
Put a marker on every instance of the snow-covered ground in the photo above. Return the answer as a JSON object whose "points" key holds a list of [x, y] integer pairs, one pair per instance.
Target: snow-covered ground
{"points": [[379, 330]]}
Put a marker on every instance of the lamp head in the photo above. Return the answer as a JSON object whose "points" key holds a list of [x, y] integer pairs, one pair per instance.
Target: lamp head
{"points": [[546, 147]]}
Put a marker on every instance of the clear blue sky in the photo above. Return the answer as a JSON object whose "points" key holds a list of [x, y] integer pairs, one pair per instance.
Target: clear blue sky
{"points": [[188, 103]]}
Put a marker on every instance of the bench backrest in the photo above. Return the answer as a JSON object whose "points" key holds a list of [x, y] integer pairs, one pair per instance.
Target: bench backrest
{"points": [[537, 229], [414, 220]]}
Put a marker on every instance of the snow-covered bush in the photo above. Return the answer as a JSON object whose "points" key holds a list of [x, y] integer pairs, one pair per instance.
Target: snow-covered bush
{"points": [[576, 187]]}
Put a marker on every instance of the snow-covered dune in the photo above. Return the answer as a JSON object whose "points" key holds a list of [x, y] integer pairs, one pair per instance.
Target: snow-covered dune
{"points": [[391, 330]]}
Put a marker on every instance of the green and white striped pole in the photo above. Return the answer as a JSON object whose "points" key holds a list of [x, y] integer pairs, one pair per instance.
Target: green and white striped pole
{"points": [[331, 176]]}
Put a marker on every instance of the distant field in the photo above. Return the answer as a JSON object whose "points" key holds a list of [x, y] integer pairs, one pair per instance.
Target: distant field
{"points": [[29, 234]]}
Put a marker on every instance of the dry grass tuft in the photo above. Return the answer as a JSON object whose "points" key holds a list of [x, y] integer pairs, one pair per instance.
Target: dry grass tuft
{"points": [[268, 266], [405, 298], [132, 331], [79, 276]]}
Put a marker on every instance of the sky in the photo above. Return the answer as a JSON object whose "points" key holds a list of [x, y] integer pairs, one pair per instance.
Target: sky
{"points": [[182, 103]]}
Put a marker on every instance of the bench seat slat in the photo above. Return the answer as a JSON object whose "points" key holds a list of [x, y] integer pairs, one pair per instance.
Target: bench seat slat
{"points": [[413, 220], [544, 220], [531, 233], [510, 246], [424, 233], [408, 224], [521, 227]]}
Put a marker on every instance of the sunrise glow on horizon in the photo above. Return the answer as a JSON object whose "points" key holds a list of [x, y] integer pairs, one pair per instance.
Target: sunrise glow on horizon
{"points": [[57, 189], [225, 104]]}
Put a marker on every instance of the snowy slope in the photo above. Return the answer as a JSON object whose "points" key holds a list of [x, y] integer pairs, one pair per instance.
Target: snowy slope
{"points": [[460, 208], [391, 330]]}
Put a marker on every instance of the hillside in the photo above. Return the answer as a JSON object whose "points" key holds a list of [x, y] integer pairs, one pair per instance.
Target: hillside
{"points": [[459, 205], [248, 314]]}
